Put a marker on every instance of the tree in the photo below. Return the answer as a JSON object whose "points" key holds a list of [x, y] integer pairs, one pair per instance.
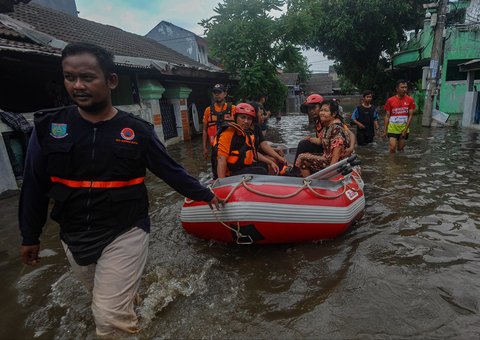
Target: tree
{"points": [[360, 35], [250, 43], [291, 60]]}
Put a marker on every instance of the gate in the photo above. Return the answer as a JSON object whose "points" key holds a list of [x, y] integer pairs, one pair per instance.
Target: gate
{"points": [[168, 119]]}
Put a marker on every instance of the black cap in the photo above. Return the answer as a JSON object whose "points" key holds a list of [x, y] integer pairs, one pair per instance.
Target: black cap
{"points": [[219, 87]]}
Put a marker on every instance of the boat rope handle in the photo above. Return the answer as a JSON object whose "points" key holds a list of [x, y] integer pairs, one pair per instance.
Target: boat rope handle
{"points": [[237, 232], [308, 182], [356, 179], [272, 195], [188, 200]]}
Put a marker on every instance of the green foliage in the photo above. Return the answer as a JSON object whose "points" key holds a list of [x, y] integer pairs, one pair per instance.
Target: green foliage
{"points": [[251, 44], [291, 60], [256, 79], [359, 35], [346, 85]]}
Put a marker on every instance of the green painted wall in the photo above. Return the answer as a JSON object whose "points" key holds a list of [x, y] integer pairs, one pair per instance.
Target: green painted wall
{"points": [[460, 45], [416, 49], [452, 97]]}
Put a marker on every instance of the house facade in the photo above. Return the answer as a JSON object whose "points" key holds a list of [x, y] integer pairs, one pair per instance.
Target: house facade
{"points": [[295, 97], [461, 46], [156, 83], [181, 40]]}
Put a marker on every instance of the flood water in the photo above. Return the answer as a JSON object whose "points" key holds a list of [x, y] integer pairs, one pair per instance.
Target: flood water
{"points": [[409, 269]]}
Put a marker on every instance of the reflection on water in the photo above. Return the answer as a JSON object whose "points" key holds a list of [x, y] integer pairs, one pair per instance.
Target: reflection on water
{"points": [[408, 269]]}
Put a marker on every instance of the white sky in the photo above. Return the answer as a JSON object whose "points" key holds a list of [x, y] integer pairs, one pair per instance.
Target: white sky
{"points": [[140, 16]]}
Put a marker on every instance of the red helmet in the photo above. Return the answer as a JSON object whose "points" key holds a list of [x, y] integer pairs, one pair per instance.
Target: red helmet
{"points": [[313, 99], [246, 109]]}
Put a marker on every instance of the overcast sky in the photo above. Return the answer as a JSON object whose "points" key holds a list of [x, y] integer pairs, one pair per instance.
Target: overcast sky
{"points": [[140, 16]]}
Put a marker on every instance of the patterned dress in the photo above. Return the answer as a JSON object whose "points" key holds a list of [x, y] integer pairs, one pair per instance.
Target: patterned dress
{"points": [[331, 137]]}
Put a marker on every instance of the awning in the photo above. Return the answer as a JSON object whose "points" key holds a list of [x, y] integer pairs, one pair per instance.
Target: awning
{"points": [[472, 65]]}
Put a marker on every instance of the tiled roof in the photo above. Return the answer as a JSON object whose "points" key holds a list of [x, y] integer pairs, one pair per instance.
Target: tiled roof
{"points": [[319, 83], [70, 29]]}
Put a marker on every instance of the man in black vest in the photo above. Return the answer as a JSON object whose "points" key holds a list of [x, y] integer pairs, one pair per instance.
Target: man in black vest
{"points": [[365, 117], [91, 159]]}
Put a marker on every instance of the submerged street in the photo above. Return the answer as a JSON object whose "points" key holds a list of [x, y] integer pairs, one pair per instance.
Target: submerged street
{"points": [[409, 268]]}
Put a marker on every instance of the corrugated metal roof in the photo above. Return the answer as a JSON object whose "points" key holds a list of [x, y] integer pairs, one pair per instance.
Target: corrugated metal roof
{"points": [[12, 40], [8, 32], [25, 47]]}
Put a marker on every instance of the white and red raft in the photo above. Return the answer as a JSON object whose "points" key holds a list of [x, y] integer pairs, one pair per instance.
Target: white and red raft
{"points": [[262, 209]]}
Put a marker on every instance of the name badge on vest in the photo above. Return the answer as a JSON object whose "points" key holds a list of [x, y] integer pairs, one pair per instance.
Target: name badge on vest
{"points": [[58, 130]]}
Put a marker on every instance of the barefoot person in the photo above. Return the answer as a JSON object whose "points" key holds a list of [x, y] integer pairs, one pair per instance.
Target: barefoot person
{"points": [[91, 159], [398, 117]]}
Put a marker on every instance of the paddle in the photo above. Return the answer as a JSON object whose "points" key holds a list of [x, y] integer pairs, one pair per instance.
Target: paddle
{"points": [[332, 169]]}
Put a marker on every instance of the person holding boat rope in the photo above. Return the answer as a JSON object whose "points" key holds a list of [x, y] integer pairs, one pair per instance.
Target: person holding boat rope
{"points": [[91, 159]]}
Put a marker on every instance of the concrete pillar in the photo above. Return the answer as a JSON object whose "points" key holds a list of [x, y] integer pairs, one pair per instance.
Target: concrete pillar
{"points": [[470, 81], [150, 93], [178, 98]]}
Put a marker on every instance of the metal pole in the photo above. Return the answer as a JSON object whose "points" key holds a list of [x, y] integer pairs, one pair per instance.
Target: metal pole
{"points": [[435, 62]]}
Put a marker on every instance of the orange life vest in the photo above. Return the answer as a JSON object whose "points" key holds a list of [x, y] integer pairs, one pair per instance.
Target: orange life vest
{"points": [[242, 148]]}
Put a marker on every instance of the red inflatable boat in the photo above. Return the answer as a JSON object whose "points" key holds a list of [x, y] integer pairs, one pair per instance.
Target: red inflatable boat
{"points": [[263, 209]]}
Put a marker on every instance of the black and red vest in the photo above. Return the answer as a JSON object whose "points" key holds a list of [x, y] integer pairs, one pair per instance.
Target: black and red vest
{"points": [[97, 172], [217, 119]]}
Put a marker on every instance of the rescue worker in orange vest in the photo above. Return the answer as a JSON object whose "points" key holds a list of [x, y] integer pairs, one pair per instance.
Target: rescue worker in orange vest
{"points": [[236, 146], [215, 116]]}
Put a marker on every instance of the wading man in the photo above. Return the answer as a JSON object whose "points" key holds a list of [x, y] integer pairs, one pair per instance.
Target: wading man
{"points": [[398, 117], [91, 159], [365, 117]]}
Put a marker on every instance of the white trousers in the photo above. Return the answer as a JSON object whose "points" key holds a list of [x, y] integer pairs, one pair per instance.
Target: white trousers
{"points": [[114, 281]]}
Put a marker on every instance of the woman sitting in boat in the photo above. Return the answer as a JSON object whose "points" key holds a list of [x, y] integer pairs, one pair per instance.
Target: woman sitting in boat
{"points": [[236, 146], [311, 144], [311, 106], [333, 138]]}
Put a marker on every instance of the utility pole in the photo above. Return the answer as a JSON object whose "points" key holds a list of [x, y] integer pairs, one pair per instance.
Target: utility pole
{"points": [[435, 61]]}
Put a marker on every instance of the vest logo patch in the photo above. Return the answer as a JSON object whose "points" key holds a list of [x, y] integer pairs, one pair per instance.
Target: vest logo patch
{"points": [[127, 134], [58, 130]]}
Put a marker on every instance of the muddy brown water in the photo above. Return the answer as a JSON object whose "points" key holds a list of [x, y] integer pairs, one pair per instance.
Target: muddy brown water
{"points": [[409, 269]]}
